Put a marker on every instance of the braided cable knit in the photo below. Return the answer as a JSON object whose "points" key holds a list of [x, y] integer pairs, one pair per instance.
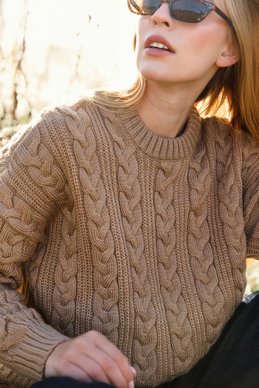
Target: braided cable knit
{"points": [[251, 196], [21, 229], [65, 275], [210, 295], [130, 197], [176, 310], [231, 210], [105, 269]]}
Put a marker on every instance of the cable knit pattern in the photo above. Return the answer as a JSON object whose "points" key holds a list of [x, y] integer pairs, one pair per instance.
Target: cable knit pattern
{"points": [[65, 275], [231, 208], [251, 195], [117, 229], [201, 255], [105, 268], [143, 351], [176, 309]]}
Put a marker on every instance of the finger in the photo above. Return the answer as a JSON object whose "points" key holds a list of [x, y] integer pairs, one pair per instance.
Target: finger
{"points": [[75, 372], [92, 369], [118, 357], [110, 369]]}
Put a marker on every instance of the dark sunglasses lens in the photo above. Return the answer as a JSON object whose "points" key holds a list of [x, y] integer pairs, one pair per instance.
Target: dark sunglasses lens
{"points": [[144, 7], [190, 11]]}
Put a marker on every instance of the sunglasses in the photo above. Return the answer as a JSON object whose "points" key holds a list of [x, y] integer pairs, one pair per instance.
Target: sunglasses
{"points": [[189, 11]]}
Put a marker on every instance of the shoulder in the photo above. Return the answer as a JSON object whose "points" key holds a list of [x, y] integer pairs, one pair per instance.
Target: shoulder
{"points": [[239, 144], [226, 138], [47, 130], [59, 117], [60, 122], [250, 159], [230, 144], [86, 113], [219, 130]]}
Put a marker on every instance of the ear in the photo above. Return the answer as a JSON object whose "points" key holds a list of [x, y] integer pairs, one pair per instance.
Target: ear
{"points": [[228, 57]]}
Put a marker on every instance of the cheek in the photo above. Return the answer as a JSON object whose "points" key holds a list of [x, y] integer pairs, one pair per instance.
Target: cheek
{"points": [[139, 46], [144, 28], [140, 32], [204, 46], [211, 35]]}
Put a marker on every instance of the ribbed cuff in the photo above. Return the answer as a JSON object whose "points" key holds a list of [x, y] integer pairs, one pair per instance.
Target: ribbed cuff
{"points": [[30, 356]]}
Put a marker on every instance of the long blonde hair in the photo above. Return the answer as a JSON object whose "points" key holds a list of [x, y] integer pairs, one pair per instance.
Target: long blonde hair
{"points": [[236, 86]]}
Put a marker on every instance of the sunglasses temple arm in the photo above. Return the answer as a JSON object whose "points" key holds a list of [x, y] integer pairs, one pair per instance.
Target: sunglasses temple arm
{"points": [[224, 16], [136, 6]]}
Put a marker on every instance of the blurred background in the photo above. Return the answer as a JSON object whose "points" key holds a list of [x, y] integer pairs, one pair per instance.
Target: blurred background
{"points": [[55, 51]]}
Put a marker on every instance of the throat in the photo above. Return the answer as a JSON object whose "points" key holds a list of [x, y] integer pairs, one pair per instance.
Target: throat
{"points": [[162, 117], [181, 131]]}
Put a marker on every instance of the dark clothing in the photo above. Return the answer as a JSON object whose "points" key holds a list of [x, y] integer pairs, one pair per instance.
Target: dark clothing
{"points": [[66, 382], [233, 361]]}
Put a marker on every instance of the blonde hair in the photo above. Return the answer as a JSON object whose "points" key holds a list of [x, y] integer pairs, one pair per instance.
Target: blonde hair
{"points": [[236, 86]]}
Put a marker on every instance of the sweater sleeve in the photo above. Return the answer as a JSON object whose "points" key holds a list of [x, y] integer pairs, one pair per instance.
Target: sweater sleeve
{"points": [[251, 198], [32, 185]]}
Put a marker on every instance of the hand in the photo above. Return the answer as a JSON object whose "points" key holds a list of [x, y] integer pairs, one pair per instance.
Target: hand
{"points": [[91, 357]]}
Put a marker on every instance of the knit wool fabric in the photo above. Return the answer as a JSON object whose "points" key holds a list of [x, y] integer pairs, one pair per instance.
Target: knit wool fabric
{"points": [[119, 230]]}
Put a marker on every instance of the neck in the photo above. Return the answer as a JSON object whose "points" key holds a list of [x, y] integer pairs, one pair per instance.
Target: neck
{"points": [[165, 112]]}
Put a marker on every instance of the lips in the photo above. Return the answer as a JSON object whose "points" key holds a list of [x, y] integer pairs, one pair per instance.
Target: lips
{"points": [[158, 42]]}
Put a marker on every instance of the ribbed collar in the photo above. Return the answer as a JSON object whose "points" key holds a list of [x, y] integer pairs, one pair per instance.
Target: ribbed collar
{"points": [[161, 147]]}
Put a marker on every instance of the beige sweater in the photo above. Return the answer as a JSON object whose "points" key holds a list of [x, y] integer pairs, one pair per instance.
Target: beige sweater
{"points": [[141, 237]]}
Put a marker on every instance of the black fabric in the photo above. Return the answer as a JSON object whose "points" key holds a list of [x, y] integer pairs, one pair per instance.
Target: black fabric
{"points": [[233, 361], [66, 382]]}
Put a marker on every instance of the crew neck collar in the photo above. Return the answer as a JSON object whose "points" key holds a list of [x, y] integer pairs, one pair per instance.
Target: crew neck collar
{"points": [[162, 147]]}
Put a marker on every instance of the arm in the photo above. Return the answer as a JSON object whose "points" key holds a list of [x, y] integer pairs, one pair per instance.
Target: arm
{"points": [[251, 198], [31, 186]]}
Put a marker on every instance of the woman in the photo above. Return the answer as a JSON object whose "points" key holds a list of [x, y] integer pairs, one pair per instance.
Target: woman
{"points": [[126, 220]]}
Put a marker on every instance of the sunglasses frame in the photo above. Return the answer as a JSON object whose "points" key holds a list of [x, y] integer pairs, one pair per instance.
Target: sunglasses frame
{"points": [[211, 5]]}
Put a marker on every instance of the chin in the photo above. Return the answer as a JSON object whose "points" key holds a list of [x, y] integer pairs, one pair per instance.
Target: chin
{"points": [[154, 75]]}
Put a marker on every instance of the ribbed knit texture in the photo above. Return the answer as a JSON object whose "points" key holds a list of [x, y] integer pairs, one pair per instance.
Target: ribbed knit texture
{"points": [[138, 236]]}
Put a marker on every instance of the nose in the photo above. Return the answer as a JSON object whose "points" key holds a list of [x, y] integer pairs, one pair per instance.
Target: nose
{"points": [[162, 16]]}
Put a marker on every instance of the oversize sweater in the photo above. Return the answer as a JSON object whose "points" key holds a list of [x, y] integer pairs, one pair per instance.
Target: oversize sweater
{"points": [[116, 229]]}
